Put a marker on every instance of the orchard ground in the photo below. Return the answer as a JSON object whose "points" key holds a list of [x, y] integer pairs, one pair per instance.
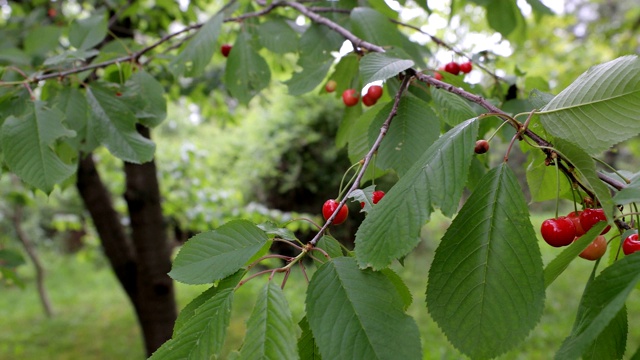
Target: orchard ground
{"points": [[95, 321]]}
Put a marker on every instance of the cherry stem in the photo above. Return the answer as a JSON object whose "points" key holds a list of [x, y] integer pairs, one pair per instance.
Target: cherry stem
{"points": [[497, 130], [353, 177], [556, 162], [615, 171], [289, 243], [367, 159]]}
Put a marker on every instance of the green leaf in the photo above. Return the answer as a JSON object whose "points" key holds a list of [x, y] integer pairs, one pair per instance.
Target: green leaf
{"points": [[371, 26], [42, 39], [628, 195], [504, 16], [346, 75], [349, 119], [486, 286], [358, 314], [414, 128], [10, 258], [191, 309], [216, 254], [247, 72], [379, 66], [539, 7], [28, 144], [73, 104], [612, 341], [451, 108], [364, 197], [316, 45], [331, 246], [273, 229], [543, 179], [197, 54], [599, 109], [308, 79], [586, 172], [271, 332], [307, 347], [148, 97], [278, 36], [202, 335], [558, 265], [114, 125], [89, 32], [392, 228], [401, 287], [602, 300]]}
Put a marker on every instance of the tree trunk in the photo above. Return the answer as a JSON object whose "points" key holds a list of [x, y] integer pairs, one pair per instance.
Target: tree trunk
{"points": [[157, 311], [141, 262]]}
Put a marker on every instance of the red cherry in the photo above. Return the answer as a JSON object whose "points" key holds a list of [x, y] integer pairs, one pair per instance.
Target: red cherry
{"points": [[377, 196], [631, 244], [225, 49], [438, 76], [330, 86], [596, 249], [330, 207], [350, 97], [52, 12], [375, 92], [590, 217], [452, 68], [368, 100], [558, 232], [466, 67], [575, 217], [482, 146]]}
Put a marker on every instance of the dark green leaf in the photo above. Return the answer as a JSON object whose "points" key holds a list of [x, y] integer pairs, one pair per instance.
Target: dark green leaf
{"points": [[380, 66], [364, 197], [543, 179], [539, 7], [28, 142], [392, 229], [191, 308], [247, 72], [308, 79], [331, 246], [599, 109], [89, 32], [273, 229], [346, 75], [197, 54], [558, 265], [114, 125], [202, 335], [586, 171], [214, 255], [148, 97], [42, 39], [486, 285], [629, 194], [278, 36], [10, 258], [414, 128], [451, 108], [504, 16], [76, 110], [271, 332], [401, 287], [316, 45], [601, 302], [357, 314], [307, 347], [370, 25], [612, 341]]}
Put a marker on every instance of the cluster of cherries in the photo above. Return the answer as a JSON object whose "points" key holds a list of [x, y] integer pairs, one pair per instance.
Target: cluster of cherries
{"points": [[331, 205], [350, 97], [454, 68], [563, 230]]}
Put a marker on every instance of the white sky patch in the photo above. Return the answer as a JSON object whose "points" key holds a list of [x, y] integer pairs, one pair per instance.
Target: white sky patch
{"points": [[183, 4], [300, 20]]}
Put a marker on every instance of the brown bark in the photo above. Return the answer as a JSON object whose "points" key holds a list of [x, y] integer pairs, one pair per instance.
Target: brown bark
{"points": [[158, 310]]}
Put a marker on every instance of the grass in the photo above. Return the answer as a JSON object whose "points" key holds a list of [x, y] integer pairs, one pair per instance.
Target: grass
{"points": [[94, 319]]}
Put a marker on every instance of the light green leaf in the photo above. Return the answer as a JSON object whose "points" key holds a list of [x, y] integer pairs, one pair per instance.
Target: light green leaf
{"points": [[392, 228], [586, 171], [539, 7], [278, 36], [202, 335], [349, 119], [89, 32], [629, 194], [247, 72], [216, 254], [486, 286], [148, 98], [379, 66], [401, 287], [602, 300], [358, 137], [308, 79], [42, 39], [271, 332], [197, 54], [307, 347], [612, 341], [114, 125], [28, 144], [364, 197], [414, 128], [331, 246], [357, 314], [558, 265], [599, 109], [543, 179], [451, 108], [192, 308], [273, 229]]}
